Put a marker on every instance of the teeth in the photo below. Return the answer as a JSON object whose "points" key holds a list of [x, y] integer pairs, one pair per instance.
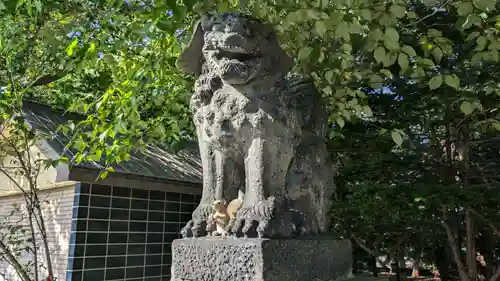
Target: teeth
{"points": [[233, 48]]}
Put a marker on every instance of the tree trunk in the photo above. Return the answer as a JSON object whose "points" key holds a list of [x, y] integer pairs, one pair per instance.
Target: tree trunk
{"points": [[373, 265], [455, 248], [396, 270], [442, 261], [471, 246], [470, 233]]}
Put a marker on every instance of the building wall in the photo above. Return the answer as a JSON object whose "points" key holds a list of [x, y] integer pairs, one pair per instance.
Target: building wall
{"points": [[121, 233], [57, 209], [47, 178]]}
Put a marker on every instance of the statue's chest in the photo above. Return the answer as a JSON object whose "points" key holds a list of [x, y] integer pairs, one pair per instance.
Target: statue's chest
{"points": [[233, 106], [234, 115]]}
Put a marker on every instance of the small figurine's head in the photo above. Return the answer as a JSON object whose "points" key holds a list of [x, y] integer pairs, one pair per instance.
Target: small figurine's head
{"points": [[235, 47], [219, 205]]}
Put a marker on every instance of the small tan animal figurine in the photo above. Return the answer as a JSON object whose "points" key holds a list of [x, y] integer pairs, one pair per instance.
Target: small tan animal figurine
{"points": [[223, 216], [220, 217]]}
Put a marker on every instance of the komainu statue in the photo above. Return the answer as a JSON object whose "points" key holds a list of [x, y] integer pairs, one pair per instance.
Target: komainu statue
{"points": [[261, 131]]}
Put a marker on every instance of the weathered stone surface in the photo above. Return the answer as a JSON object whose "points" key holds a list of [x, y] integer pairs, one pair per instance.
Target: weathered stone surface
{"points": [[254, 259], [261, 131]]}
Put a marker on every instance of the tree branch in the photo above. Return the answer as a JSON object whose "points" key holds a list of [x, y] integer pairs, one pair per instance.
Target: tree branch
{"points": [[496, 275], [7, 254], [45, 79], [488, 222], [370, 251], [454, 247]]}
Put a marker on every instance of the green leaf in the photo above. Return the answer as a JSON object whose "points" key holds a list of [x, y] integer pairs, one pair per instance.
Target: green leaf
{"points": [[397, 138], [71, 47], [403, 61], [355, 28], [329, 76], [368, 111], [304, 53], [366, 14], [485, 5], [342, 30], [411, 15], [409, 50], [103, 174], [398, 11], [496, 125], [340, 122], [472, 35], [38, 6], [437, 53], [376, 81], [477, 57], [427, 63], [390, 59], [2, 5], [494, 55], [387, 73], [320, 28], [391, 39], [417, 73], [466, 107], [379, 54], [481, 43], [452, 81], [434, 33], [375, 35], [488, 90], [465, 8], [435, 82], [478, 106]]}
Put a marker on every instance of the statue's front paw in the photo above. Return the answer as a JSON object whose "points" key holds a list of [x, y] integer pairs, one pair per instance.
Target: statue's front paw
{"points": [[197, 226], [194, 228], [259, 213]]}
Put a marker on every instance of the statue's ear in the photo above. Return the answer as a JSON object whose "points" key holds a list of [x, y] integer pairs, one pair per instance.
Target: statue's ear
{"points": [[191, 59], [283, 61]]}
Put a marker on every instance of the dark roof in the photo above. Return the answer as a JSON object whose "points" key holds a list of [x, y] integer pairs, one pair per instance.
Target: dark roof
{"points": [[155, 161]]}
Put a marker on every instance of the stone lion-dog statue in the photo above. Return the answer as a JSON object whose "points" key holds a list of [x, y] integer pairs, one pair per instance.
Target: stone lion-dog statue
{"points": [[261, 132]]}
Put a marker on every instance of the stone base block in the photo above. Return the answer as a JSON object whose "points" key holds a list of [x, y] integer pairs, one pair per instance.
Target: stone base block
{"points": [[252, 259]]}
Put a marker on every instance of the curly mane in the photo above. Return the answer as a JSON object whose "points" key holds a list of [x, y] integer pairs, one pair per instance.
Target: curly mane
{"points": [[205, 87]]}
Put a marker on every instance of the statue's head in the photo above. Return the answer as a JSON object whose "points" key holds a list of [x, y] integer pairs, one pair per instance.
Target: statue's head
{"points": [[236, 47]]}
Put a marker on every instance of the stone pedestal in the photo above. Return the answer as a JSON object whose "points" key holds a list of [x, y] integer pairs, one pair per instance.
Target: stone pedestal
{"points": [[252, 259]]}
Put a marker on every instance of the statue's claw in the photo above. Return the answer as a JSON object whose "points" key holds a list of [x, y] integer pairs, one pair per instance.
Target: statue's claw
{"points": [[194, 228], [186, 230], [197, 226], [259, 213]]}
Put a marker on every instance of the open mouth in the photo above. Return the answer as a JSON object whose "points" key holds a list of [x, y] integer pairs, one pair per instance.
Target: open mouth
{"points": [[234, 55]]}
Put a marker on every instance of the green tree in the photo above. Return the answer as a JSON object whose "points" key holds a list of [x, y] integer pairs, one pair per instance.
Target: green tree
{"points": [[410, 85]]}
